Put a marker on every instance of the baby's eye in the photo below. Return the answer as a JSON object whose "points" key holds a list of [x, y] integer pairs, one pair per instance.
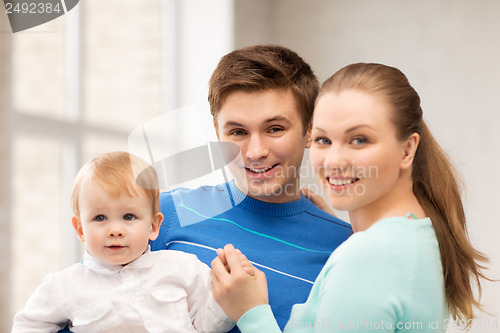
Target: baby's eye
{"points": [[129, 217], [100, 218], [322, 141]]}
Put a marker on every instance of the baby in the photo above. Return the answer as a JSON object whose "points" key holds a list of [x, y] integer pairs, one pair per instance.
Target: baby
{"points": [[121, 286]]}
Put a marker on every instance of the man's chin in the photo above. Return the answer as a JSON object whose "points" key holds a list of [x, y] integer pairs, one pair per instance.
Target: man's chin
{"points": [[270, 192]]}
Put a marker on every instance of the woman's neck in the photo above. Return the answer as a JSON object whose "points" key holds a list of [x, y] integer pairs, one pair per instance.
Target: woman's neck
{"points": [[399, 202]]}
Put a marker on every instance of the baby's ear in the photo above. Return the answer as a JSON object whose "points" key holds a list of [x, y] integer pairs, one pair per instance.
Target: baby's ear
{"points": [[78, 228], [155, 226]]}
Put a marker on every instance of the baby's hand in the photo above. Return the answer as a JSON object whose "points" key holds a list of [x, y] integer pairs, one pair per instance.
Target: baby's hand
{"points": [[237, 289], [245, 263]]}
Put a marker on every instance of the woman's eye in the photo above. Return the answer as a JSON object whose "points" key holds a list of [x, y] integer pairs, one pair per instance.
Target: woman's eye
{"points": [[322, 141], [358, 141], [100, 218], [129, 217]]}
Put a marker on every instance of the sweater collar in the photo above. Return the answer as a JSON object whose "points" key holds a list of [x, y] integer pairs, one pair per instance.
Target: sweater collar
{"points": [[244, 201]]}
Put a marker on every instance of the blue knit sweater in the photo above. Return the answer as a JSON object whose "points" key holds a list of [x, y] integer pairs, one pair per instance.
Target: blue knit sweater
{"points": [[289, 242]]}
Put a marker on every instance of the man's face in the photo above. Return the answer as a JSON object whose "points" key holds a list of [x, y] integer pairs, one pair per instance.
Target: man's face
{"points": [[268, 128]]}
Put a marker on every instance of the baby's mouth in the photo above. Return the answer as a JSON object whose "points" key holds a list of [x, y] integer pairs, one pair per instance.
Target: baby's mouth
{"points": [[115, 247]]}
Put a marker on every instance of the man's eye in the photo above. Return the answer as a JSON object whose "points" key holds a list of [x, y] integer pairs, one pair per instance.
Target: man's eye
{"points": [[100, 218], [237, 132], [275, 130], [129, 217]]}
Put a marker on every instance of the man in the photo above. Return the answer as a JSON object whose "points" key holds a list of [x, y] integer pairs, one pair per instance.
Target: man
{"points": [[261, 99]]}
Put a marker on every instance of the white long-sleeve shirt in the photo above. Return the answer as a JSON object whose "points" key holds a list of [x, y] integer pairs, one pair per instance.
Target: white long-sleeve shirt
{"points": [[161, 291]]}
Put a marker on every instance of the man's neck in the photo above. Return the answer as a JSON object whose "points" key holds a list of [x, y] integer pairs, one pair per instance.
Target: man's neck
{"points": [[286, 195]]}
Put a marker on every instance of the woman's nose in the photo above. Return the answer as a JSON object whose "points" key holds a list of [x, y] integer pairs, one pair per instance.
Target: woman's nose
{"points": [[336, 158]]}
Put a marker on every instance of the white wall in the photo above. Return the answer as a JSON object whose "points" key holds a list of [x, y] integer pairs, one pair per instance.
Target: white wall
{"points": [[449, 49]]}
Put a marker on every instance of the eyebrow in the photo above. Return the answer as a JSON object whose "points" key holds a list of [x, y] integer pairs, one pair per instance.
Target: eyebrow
{"points": [[351, 129], [269, 120], [357, 127], [319, 129]]}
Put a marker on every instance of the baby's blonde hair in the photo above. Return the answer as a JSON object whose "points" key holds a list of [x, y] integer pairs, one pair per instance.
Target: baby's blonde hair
{"points": [[119, 173]]}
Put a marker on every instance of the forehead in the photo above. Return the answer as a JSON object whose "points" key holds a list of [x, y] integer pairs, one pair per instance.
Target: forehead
{"points": [[256, 107], [351, 107], [94, 189]]}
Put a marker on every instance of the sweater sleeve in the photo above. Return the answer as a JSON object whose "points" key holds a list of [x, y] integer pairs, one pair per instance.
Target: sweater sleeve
{"points": [[258, 319], [380, 280], [362, 289], [355, 292]]}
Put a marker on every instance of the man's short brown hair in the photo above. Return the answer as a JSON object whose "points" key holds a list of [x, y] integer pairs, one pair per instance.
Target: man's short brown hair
{"points": [[263, 67]]}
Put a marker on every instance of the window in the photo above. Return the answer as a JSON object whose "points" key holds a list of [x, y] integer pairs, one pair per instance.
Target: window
{"points": [[76, 87]]}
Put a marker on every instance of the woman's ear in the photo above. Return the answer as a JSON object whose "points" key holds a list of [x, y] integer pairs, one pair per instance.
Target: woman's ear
{"points": [[409, 150], [155, 226], [77, 224]]}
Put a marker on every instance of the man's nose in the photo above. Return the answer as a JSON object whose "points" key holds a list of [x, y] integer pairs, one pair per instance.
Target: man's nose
{"points": [[257, 148]]}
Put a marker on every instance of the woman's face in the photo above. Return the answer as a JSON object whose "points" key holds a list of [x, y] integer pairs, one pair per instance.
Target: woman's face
{"points": [[355, 152]]}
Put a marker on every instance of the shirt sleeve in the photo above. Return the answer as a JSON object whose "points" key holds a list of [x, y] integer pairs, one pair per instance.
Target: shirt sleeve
{"points": [[206, 314], [43, 311]]}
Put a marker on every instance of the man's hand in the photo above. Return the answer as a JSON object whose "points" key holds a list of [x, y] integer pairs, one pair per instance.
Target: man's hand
{"points": [[317, 200]]}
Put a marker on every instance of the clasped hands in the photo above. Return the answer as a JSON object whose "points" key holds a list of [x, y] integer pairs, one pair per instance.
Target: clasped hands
{"points": [[237, 285]]}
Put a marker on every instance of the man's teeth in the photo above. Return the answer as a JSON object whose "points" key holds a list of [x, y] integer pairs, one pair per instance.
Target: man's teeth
{"points": [[261, 170], [340, 182]]}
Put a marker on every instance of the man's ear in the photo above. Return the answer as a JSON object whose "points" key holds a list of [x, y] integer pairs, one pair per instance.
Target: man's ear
{"points": [[78, 228], [409, 150], [216, 129], [308, 135], [155, 226]]}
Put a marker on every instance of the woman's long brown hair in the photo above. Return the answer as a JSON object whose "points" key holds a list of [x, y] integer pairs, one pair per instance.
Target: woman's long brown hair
{"points": [[435, 181]]}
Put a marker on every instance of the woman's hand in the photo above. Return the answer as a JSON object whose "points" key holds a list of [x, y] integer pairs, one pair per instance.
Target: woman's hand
{"points": [[233, 287], [317, 200]]}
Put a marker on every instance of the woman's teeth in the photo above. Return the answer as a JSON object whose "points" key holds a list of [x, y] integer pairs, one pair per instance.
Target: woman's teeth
{"points": [[343, 181]]}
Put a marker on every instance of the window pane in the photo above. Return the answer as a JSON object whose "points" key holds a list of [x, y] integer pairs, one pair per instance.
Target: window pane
{"points": [[122, 62], [38, 70], [95, 145], [36, 229]]}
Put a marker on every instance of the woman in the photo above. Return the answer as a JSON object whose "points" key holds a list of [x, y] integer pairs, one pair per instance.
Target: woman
{"points": [[409, 263]]}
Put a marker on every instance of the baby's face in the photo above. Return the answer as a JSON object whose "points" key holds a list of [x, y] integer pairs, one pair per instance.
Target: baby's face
{"points": [[115, 229]]}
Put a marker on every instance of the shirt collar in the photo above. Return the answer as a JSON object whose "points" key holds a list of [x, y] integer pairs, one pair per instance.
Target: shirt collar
{"points": [[102, 267]]}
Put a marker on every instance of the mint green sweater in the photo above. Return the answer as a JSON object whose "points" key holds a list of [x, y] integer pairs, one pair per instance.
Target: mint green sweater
{"points": [[387, 278]]}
